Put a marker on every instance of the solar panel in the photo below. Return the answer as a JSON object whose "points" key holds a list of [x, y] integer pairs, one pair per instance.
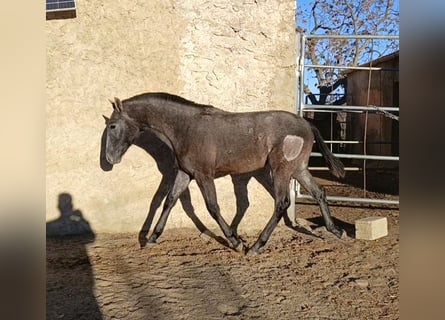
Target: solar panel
{"points": [[60, 5]]}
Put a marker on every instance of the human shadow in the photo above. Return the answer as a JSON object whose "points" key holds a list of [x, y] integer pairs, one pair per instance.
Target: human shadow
{"points": [[69, 275], [160, 150]]}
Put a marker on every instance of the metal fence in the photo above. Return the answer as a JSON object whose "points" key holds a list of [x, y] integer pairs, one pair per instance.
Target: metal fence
{"points": [[302, 107]]}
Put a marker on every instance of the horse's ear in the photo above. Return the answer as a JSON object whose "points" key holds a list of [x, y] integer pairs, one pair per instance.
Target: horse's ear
{"points": [[106, 119], [117, 105]]}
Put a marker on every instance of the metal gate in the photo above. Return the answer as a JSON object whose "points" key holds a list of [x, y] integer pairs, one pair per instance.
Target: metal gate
{"points": [[302, 106]]}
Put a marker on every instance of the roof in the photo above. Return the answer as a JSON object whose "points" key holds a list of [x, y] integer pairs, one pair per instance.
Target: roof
{"points": [[376, 61]]}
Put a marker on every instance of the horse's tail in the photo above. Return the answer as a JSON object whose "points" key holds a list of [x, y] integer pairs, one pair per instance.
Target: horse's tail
{"points": [[336, 167]]}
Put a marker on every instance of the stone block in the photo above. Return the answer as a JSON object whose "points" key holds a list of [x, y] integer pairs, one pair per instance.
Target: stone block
{"points": [[371, 228]]}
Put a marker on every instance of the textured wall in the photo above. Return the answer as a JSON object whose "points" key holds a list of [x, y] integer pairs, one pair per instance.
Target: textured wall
{"points": [[235, 55]]}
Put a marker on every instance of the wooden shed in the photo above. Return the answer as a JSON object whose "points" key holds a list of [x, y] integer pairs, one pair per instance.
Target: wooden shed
{"points": [[378, 88]]}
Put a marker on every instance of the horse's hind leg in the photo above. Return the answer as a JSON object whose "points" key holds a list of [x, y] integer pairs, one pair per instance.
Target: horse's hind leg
{"points": [[282, 202], [242, 200], [308, 182], [240, 183], [208, 190], [181, 183]]}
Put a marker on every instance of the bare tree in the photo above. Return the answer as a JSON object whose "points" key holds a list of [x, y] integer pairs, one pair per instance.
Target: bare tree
{"points": [[352, 17], [342, 17]]}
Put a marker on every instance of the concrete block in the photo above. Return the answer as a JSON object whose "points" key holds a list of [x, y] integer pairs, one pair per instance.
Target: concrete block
{"points": [[371, 228]]}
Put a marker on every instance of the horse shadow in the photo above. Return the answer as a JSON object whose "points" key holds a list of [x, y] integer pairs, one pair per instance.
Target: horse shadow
{"points": [[160, 150], [68, 268], [318, 222]]}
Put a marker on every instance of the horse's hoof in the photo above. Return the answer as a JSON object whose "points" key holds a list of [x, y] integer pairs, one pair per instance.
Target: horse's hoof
{"points": [[338, 232], [252, 252], [241, 247], [143, 243], [149, 245], [255, 250], [150, 242]]}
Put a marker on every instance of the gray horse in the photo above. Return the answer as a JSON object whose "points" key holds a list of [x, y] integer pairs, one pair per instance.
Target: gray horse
{"points": [[209, 143]]}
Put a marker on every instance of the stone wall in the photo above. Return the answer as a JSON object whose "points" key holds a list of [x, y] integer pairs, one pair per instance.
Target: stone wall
{"points": [[236, 55]]}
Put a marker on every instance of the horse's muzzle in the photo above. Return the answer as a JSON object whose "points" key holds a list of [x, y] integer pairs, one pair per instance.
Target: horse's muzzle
{"points": [[112, 160]]}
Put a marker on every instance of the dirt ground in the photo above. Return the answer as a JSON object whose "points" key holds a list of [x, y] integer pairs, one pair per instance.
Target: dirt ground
{"points": [[188, 275]]}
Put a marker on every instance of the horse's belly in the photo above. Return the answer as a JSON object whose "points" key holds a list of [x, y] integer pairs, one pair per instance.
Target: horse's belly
{"points": [[234, 164]]}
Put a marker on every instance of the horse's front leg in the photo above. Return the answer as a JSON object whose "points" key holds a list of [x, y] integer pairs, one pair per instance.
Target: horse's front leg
{"points": [[181, 183], [156, 202], [208, 190]]}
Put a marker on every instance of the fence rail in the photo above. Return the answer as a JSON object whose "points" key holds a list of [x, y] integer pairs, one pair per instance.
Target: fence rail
{"points": [[302, 107]]}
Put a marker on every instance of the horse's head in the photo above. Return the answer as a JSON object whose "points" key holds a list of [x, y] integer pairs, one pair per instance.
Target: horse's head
{"points": [[120, 133]]}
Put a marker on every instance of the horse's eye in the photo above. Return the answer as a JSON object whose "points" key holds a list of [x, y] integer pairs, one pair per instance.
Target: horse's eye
{"points": [[112, 126]]}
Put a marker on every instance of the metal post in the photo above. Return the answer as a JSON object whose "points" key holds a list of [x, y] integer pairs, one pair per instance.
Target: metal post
{"points": [[291, 210], [295, 188]]}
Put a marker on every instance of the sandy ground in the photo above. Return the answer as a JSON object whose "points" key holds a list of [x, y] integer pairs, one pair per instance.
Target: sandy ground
{"points": [[192, 276]]}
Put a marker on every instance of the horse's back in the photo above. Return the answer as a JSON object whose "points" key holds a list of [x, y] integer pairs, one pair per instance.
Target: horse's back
{"points": [[239, 142], [274, 124]]}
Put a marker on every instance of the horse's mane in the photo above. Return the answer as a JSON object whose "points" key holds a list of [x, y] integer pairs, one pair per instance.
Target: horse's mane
{"points": [[162, 96]]}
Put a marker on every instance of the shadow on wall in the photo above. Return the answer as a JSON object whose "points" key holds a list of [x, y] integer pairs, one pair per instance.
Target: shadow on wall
{"points": [[69, 275], [160, 150]]}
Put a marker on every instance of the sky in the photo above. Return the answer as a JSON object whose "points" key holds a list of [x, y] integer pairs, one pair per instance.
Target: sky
{"points": [[306, 3], [309, 80]]}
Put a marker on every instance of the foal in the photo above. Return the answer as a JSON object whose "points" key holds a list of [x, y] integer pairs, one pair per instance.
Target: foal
{"points": [[209, 143]]}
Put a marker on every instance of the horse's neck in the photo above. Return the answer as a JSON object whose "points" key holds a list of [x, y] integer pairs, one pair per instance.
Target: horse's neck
{"points": [[166, 118]]}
